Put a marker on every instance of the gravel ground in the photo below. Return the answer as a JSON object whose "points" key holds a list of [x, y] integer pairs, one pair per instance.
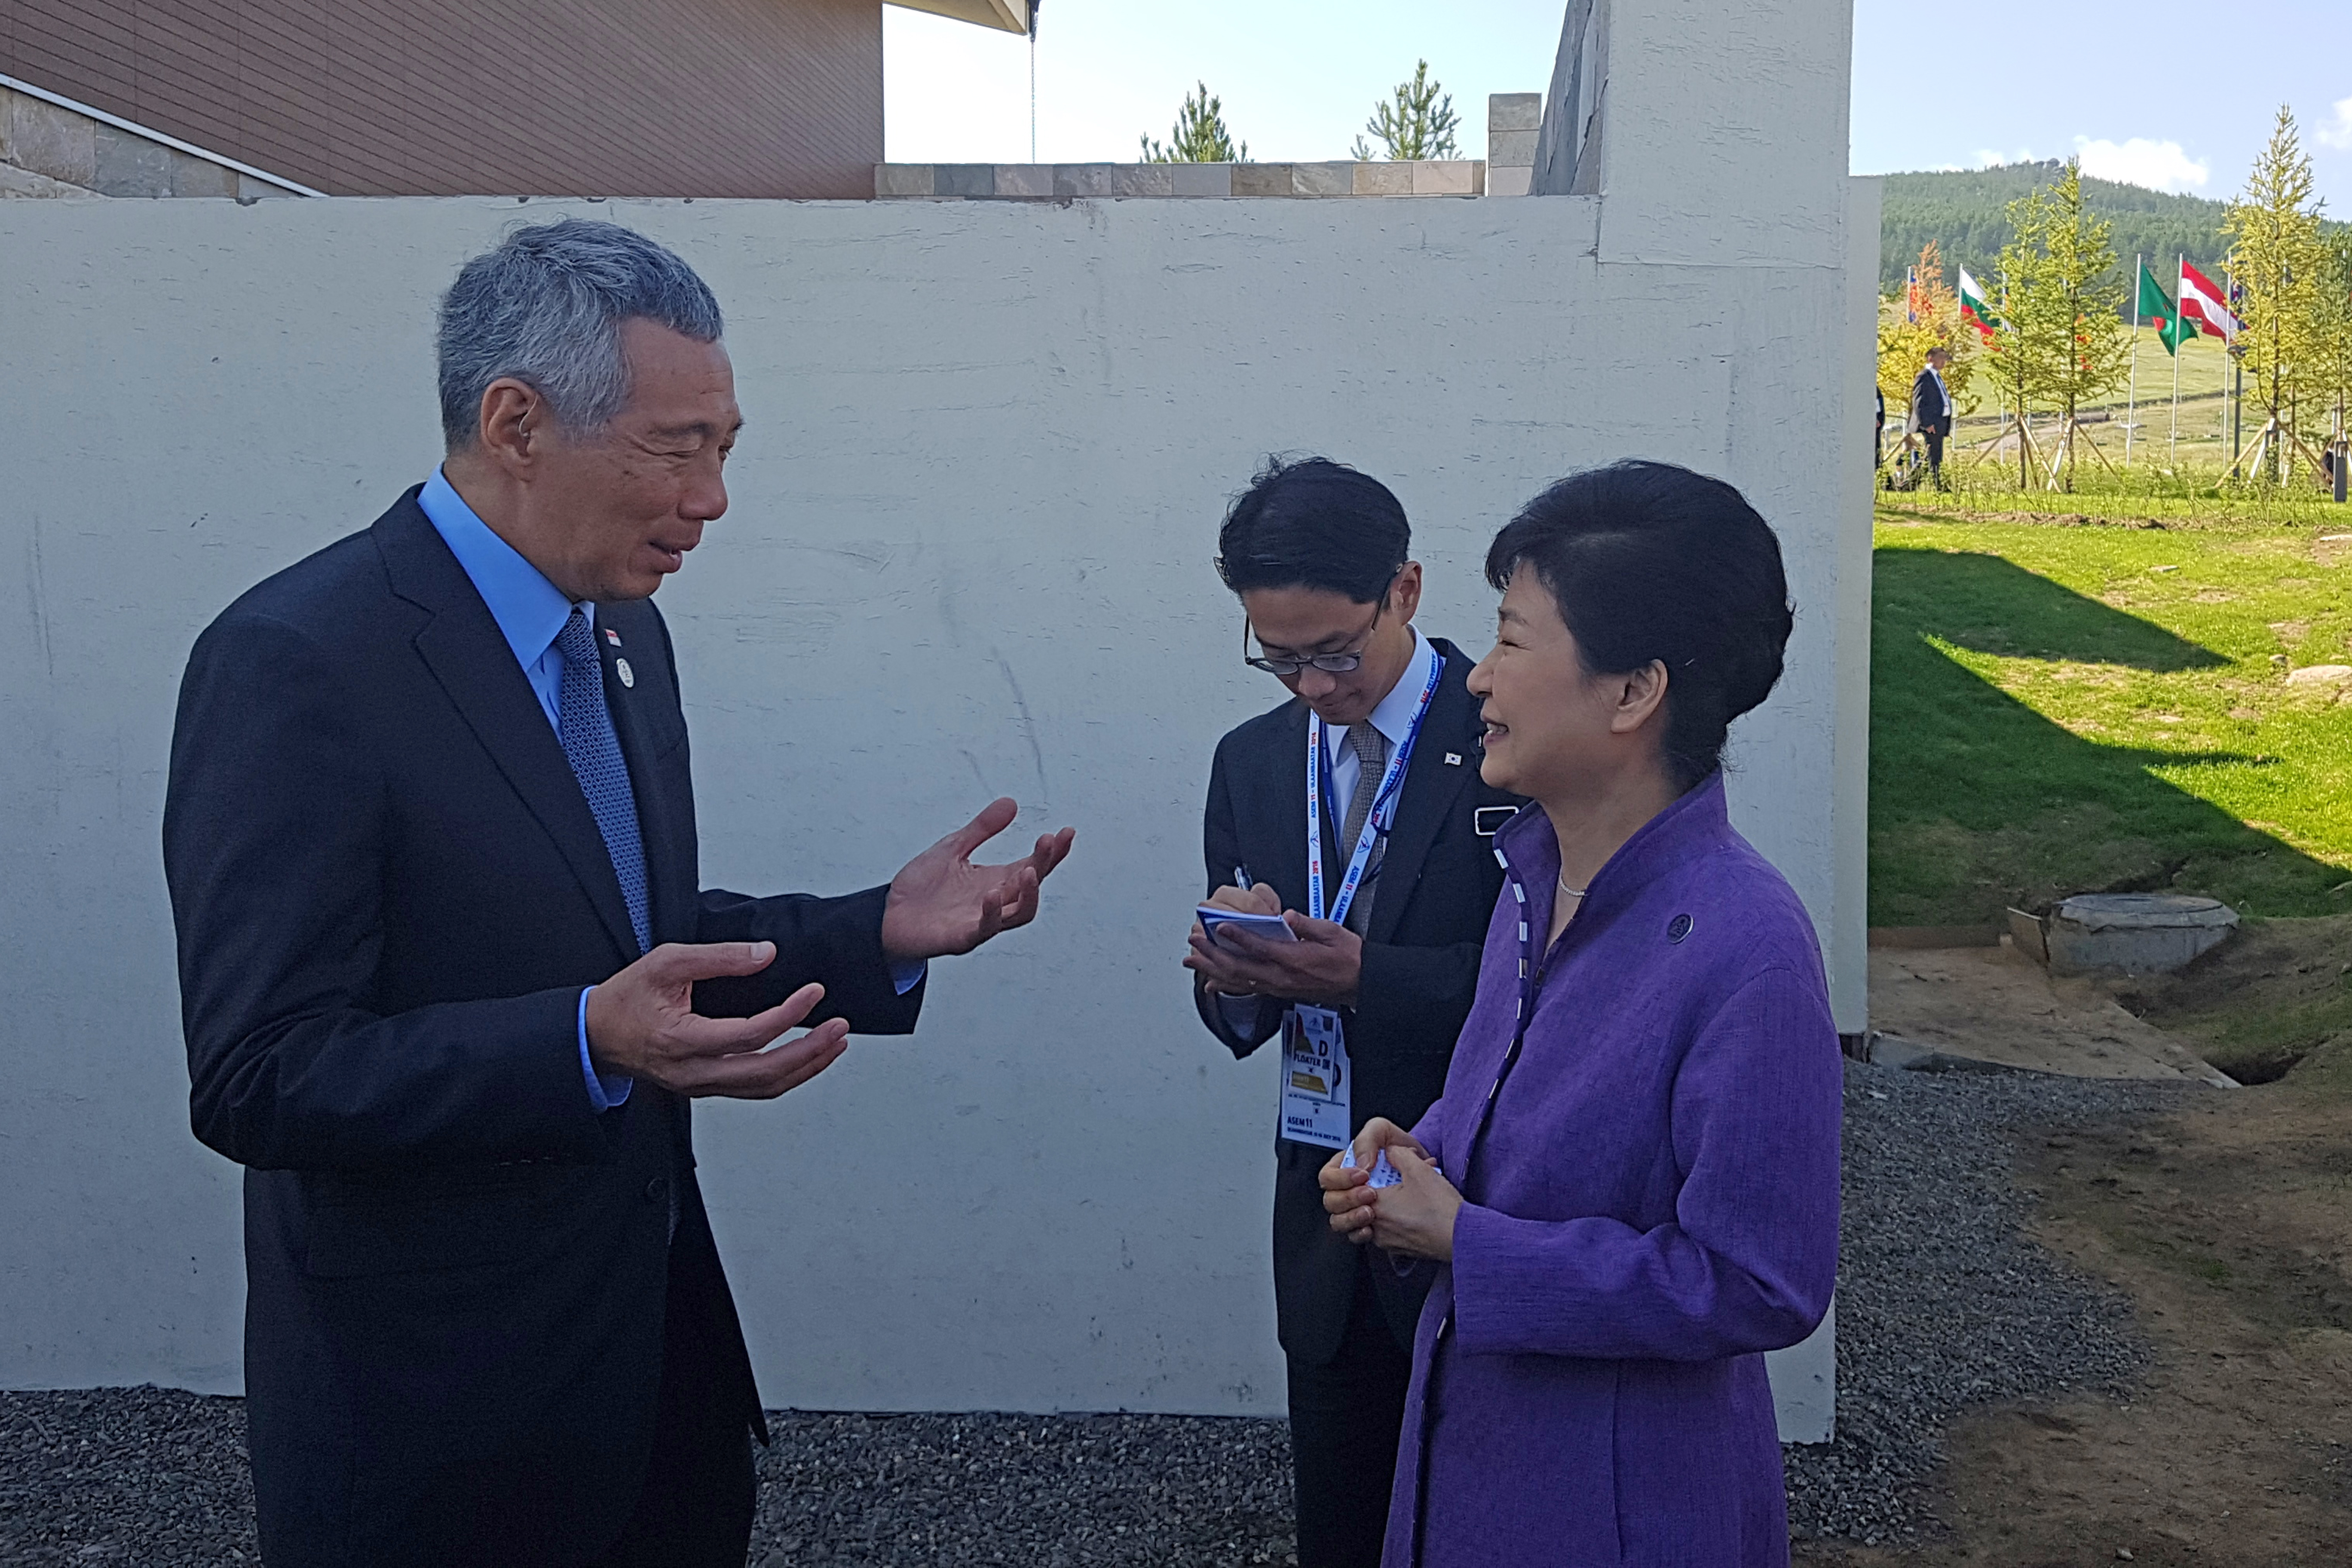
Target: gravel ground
{"points": [[126, 1476], [1044, 1492], [1942, 1305], [1942, 1301]]}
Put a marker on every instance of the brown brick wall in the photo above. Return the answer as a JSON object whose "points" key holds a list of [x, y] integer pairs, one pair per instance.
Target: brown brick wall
{"points": [[612, 98]]}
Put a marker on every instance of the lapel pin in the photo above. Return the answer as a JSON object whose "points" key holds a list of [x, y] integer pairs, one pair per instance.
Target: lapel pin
{"points": [[1452, 759], [612, 636], [621, 667]]}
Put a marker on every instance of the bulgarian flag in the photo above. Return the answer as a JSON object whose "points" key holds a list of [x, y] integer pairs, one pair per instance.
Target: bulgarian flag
{"points": [[2171, 325], [1972, 306], [2204, 301]]}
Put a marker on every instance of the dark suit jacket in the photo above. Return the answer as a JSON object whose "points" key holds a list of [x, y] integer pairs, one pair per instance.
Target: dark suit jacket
{"points": [[389, 892], [1931, 411], [1436, 890]]}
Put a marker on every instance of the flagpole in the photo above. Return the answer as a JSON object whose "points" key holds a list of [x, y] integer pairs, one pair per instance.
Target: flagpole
{"points": [[2228, 360], [2180, 338], [2131, 398], [2234, 372]]}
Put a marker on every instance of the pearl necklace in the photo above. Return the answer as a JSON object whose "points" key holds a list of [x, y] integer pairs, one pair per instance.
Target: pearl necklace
{"points": [[1571, 892]]}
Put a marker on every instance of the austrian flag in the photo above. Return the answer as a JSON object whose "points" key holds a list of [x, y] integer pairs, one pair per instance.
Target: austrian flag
{"points": [[2206, 302]]}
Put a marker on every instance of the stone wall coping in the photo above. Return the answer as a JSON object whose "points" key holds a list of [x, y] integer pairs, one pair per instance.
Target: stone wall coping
{"points": [[147, 133], [1311, 181]]}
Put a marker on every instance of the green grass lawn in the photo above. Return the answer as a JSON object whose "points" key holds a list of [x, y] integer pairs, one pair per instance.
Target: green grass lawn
{"points": [[2199, 434], [2060, 709], [2176, 453]]}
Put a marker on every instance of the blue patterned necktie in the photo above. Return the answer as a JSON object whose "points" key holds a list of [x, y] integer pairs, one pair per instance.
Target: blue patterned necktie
{"points": [[594, 753]]}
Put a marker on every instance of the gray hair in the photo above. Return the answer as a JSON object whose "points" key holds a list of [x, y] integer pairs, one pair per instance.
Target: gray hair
{"points": [[546, 308]]}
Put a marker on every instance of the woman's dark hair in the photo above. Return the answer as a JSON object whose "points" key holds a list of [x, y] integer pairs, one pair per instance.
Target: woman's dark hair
{"points": [[1310, 522], [1648, 561]]}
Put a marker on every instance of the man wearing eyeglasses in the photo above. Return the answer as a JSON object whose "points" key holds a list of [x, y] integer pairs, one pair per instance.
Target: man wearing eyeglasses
{"points": [[1386, 898]]}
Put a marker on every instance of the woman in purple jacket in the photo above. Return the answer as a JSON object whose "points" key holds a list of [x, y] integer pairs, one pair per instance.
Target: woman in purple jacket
{"points": [[1631, 1184]]}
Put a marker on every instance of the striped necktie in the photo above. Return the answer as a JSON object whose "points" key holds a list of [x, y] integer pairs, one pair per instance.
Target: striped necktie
{"points": [[1372, 749]]}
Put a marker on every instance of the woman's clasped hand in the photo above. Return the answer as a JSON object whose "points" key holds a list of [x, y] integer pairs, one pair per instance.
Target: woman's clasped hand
{"points": [[1413, 1217]]}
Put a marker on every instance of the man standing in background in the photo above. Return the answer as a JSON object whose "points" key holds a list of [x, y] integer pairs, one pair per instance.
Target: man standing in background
{"points": [[1931, 410], [1355, 811]]}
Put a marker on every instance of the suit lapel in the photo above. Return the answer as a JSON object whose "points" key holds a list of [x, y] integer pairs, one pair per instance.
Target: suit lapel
{"points": [[469, 657], [1432, 784], [1278, 810]]}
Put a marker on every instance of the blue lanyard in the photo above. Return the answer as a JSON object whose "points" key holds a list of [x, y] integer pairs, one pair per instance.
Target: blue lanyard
{"points": [[1318, 763]]}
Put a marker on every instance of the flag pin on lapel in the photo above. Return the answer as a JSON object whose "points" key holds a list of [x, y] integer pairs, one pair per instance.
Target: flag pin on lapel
{"points": [[621, 667], [1452, 759], [612, 636]]}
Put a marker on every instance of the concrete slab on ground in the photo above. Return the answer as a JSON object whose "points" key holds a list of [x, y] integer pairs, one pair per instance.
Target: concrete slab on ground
{"points": [[1994, 1006]]}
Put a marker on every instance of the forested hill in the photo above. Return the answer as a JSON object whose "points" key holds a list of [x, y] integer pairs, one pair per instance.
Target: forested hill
{"points": [[1962, 211]]}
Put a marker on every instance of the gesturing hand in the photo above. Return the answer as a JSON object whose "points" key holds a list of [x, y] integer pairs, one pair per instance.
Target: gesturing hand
{"points": [[940, 904], [642, 1023]]}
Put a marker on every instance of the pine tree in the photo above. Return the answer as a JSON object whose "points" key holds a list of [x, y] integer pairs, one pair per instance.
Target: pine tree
{"points": [[1199, 135], [1415, 121], [2061, 341], [2029, 340], [2275, 257], [2088, 297]]}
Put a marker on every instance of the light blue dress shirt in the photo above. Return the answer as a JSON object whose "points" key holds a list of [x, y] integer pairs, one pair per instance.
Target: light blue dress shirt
{"points": [[1394, 719], [529, 611]]}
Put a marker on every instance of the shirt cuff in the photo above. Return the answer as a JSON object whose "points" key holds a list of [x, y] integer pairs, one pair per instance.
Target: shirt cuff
{"points": [[605, 1090], [1240, 1013], [908, 974]]}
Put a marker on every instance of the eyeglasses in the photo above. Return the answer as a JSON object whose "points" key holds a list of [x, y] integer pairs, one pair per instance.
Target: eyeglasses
{"points": [[1329, 663]]}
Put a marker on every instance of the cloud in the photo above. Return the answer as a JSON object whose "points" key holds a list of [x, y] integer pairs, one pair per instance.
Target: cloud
{"points": [[2337, 132], [2156, 165], [1994, 157]]}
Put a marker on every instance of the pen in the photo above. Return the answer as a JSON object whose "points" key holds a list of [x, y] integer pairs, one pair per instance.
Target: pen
{"points": [[1242, 878]]}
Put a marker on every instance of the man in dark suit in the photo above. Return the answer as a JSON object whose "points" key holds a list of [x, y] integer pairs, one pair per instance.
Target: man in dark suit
{"points": [[1389, 911], [449, 981], [1931, 410]]}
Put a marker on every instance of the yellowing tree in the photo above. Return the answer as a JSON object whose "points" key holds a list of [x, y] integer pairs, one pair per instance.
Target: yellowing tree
{"points": [[1927, 316], [2276, 256]]}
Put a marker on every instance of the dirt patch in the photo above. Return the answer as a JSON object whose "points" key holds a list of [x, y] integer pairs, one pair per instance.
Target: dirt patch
{"points": [[2230, 1224], [2277, 992], [1994, 1005]]}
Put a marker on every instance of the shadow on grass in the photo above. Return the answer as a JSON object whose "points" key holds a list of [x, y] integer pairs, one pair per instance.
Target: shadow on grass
{"points": [[1978, 802]]}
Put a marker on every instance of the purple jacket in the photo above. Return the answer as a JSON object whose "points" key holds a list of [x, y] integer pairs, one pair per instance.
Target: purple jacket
{"points": [[1652, 1205]]}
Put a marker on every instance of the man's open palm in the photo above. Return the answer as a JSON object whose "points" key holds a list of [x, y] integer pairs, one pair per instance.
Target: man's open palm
{"points": [[940, 904]]}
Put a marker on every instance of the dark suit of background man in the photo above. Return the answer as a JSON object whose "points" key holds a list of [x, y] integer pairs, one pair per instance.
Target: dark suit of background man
{"points": [[1318, 554], [1931, 410], [449, 981]]}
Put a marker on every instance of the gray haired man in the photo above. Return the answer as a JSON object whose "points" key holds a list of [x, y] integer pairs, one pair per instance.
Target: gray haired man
{"points": [[449, 981]]}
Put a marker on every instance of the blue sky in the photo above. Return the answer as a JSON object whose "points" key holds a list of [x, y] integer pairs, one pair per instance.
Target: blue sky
{"points": [[1298, 77]]}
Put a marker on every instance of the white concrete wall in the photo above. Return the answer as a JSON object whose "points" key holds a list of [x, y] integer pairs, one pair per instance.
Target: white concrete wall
{"points": [[969, 554]]}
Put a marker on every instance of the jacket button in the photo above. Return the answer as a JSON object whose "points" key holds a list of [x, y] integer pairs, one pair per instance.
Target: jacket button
{"points": [[657, 1189]]}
